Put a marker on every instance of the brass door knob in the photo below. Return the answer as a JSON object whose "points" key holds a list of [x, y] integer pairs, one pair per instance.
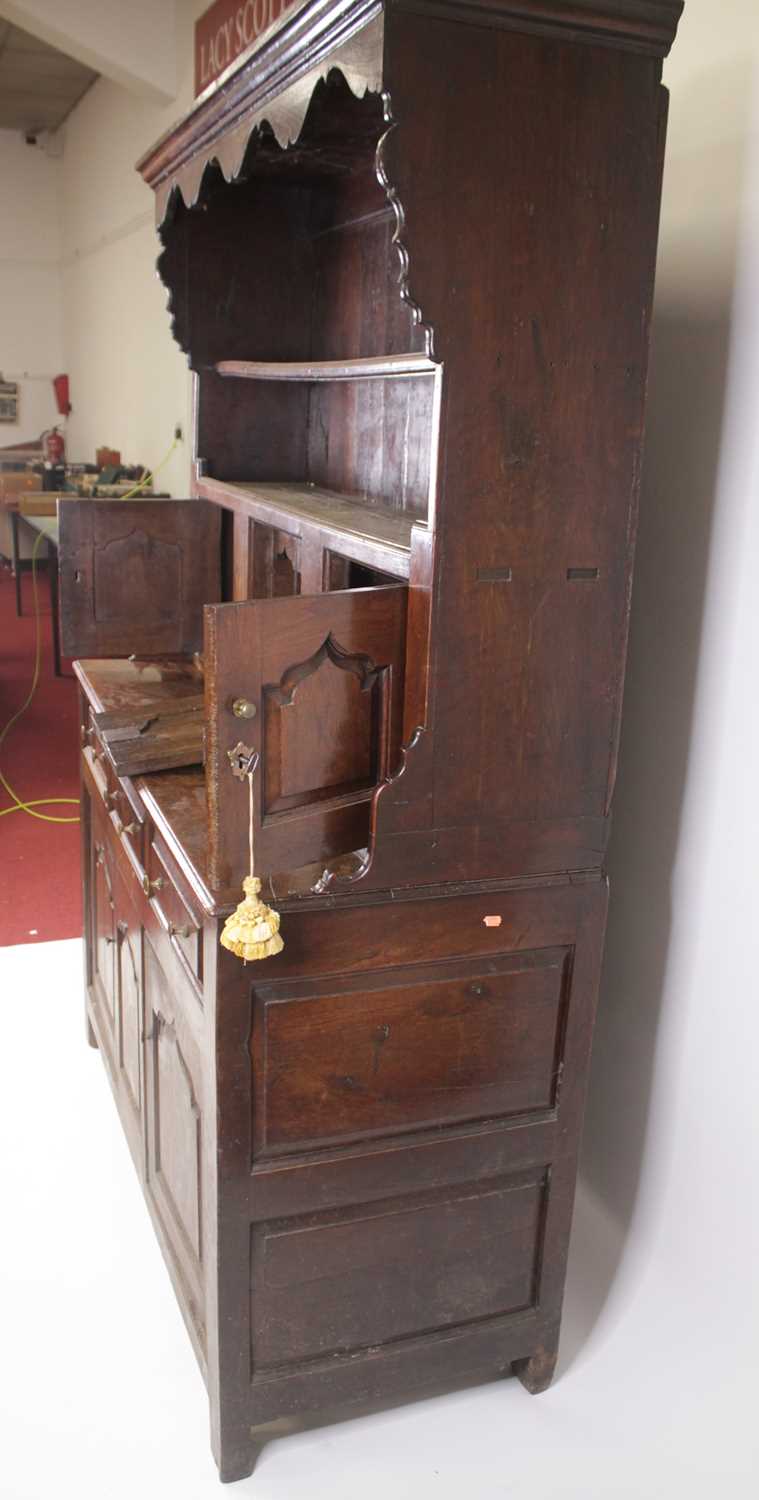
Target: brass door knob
{"points": [[149, 886], [243, 709]]}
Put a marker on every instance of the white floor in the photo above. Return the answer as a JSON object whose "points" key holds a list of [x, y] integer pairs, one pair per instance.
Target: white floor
{"points": [[100, 1395]]}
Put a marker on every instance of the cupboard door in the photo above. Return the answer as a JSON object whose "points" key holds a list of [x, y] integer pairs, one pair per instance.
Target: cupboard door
{"points": [[129, 960], [103, 941], [174, 1127], [134, 575], [320, 679]]}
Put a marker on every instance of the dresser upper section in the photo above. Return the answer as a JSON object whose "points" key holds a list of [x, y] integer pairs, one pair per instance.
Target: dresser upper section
{"points": [[272, 82]]}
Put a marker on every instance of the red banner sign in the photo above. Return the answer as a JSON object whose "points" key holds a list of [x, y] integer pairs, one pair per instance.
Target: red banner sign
{"points": [[226, 30]]}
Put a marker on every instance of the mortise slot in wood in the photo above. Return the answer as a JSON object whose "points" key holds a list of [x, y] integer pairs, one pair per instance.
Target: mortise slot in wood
{"points": [[578, 575], [494, 575]]}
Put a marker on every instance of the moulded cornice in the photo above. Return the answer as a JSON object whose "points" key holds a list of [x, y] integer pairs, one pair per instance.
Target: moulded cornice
{"points": [[274, 80], [647, 26]]}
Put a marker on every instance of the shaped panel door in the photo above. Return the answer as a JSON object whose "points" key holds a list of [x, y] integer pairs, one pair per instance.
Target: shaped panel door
{"points": [[319, 679], [134, 575]]}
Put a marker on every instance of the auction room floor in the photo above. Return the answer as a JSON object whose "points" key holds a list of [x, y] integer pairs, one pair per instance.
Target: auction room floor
{"points": [[100, 1397]]}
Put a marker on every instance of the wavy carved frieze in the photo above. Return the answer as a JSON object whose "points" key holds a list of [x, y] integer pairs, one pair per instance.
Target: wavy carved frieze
{"points": [[177, 168], [291, 136], [273, 82], [399, 241]]}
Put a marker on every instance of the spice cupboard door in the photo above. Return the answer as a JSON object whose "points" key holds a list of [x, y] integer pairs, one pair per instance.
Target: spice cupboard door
{"points": [[133, 575], [314, 686]]}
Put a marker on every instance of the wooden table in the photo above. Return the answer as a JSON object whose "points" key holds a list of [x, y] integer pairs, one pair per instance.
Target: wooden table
{"points": [[47, 526], [39, 509]]}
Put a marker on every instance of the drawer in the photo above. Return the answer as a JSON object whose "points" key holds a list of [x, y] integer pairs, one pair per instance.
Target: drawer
{"points": [[127, 818], [95, 761], [172, 903], [120, 800]]}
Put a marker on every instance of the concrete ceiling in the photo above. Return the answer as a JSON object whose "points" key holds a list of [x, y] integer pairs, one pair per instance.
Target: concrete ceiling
{"points": [[39, 85]]}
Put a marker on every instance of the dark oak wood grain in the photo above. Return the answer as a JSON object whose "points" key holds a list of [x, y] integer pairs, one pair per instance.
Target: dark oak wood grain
{"points": [[344, 1063], [409, 251], [324, 676], [158, 739], [135, 574]]}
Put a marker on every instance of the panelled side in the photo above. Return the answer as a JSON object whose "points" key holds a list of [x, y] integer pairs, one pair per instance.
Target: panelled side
{"points": [[415, 1125], [534, 266]]}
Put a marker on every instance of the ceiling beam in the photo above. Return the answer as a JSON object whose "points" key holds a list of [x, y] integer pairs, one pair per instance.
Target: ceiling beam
{"points": [[133, 44]]}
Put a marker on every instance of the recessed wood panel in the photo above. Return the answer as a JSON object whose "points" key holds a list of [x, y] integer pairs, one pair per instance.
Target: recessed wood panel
{"points": [[320, 740], [177, 1137], [334, 1283], [135, 574], [174, 1134], [103, 936], [430, 1044], [325, 675], [130, 1011]]}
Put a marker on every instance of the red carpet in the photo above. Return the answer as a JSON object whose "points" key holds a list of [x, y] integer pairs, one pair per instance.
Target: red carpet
{"points": [[40, 897]]}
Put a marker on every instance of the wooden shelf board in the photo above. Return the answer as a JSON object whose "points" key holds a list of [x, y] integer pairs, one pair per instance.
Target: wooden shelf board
{"points": [[351, 522], [389, 365]]}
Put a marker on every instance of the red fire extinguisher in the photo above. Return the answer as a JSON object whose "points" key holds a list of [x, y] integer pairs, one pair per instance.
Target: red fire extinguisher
{"points": [[53, 448], [61, 388]]}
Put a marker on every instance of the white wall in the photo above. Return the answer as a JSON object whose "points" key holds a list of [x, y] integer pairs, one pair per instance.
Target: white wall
{"points": [[30, 301], [670, 1154], [129, 382], [135, 44]]}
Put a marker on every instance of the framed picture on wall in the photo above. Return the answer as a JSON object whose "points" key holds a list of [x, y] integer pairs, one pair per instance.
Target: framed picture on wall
{"points": [[8, 401]]}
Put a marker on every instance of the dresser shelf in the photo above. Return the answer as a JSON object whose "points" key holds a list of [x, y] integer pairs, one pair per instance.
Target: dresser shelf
{"points": [[372, 535], [384, 367]]}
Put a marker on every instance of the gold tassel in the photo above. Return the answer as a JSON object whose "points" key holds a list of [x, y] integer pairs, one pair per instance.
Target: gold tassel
{"points": [[252, 931]]}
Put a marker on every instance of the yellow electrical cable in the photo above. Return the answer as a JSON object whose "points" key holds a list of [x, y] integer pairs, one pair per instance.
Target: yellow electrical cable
{"points": [[19, 805], [147, 479]]}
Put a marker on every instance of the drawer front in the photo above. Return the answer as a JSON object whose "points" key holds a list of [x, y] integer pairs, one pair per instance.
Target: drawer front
{"points": [[119, 799], [97, 765], [333, 1283], [172, 904], [426, 1045], [115, 807], [128, 822]]}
